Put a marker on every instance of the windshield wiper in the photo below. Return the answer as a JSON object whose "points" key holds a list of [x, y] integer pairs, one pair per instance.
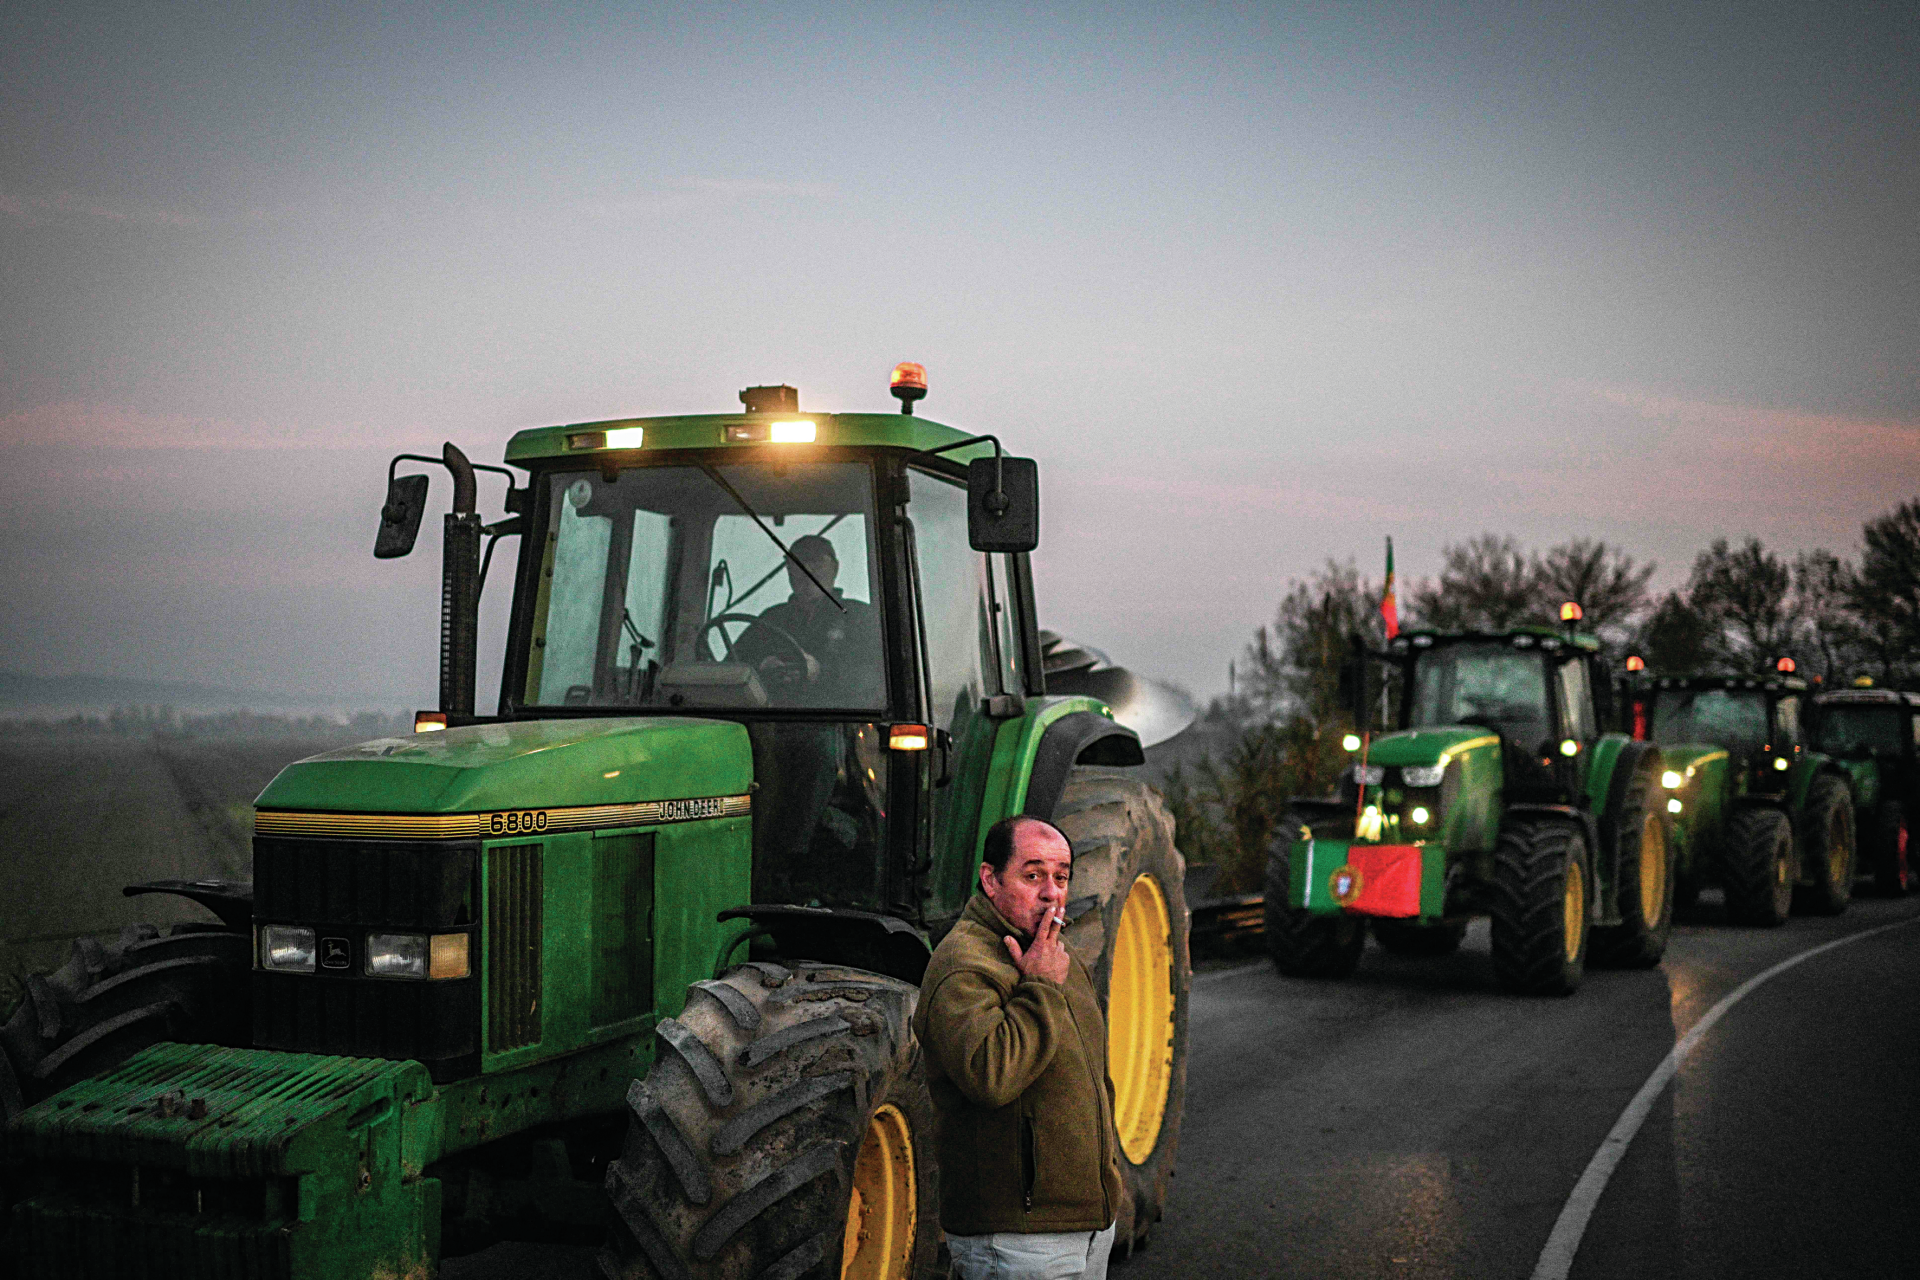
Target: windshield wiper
{"points": [[744, 596], [734, 493]]}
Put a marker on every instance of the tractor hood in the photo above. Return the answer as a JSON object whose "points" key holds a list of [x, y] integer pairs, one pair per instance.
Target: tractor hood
{"points": [[1688, 758], [1428, 746], [530, 763]]}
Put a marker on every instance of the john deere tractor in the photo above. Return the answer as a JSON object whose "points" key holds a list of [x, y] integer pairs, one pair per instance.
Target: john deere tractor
{"points": [[633, 958], [1875, 735], [1497, 795], [1755, 810]]}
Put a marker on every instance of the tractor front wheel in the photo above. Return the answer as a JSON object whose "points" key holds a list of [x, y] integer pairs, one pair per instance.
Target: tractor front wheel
{"points": [[1827, 848], [1128, 924], [1540, 908], [784, 1130], [1303, 944], [1758, 869], [1646, 883]]}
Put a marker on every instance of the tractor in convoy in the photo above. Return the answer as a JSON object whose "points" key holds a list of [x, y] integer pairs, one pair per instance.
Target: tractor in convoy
{"points": [[1756, 810], [1875, 735], [1498, 794], [633, 958]]}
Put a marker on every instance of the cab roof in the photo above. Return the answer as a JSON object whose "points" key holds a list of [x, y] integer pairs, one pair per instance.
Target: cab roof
{"points": [[1547, 638], [1867, 697], [1771, 684], [585, 440]]}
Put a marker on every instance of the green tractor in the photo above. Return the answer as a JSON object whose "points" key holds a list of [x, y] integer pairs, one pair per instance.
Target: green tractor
{"points": [[1875, 735], [1497, 795], [1757, 812], [633, 959]]}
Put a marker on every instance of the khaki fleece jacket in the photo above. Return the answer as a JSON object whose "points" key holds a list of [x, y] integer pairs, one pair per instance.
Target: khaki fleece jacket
{"points": [[1018, 1069]]}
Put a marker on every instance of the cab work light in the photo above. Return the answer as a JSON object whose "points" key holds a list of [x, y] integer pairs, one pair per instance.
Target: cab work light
{"points": [[429, 721], [908, 737], [794, 432], [626, 437]]}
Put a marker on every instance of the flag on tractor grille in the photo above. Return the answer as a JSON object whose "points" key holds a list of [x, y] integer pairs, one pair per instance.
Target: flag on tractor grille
{"points": [[1389, 608]]}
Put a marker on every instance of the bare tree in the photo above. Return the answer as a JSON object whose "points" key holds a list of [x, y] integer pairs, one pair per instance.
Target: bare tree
{"points": [[1744, 596], [1486, 584], [1822, 591], [1604, 581], [1676, 639], [1885, 592]]}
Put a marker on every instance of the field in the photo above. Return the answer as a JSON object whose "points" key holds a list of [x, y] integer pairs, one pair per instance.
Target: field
{"points": [[85, 813]]}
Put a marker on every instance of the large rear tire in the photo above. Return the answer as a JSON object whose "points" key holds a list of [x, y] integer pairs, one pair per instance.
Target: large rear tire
{"points": [[112, 999], [785, 1130], [1303, 944], [1540, 908], [1893, 870], [1827, 848], [1128, 911], [1758, 868], [1646, 894], [108, 1001]]}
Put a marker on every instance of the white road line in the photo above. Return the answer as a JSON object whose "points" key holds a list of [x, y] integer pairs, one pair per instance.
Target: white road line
{"points": [[1556, 1260]]}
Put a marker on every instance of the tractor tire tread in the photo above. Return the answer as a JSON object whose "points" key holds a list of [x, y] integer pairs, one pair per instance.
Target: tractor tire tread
{"points": [[1531, 863], [1749, 871]]}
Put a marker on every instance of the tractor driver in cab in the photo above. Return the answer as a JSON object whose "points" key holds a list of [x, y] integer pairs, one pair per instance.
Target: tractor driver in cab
{"points": [[816, 650]]}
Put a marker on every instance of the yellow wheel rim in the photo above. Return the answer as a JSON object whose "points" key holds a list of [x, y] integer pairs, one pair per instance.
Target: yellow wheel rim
{"points": [[1839, 852], [1140, 1019], [1575, 908], [1653, 870], [882, 1213]]}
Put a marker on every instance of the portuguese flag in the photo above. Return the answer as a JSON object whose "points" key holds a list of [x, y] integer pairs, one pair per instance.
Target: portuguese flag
{"points": [[1389, 608]]}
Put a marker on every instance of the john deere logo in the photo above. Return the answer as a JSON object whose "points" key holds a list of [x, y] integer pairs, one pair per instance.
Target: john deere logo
{"points": [[334, 953], [1345, 885]]}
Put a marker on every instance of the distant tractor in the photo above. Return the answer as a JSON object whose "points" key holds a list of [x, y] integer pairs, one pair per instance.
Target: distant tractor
{"points": [[632, 959], [1498, 795], [1756, 810], [1875, 735]]}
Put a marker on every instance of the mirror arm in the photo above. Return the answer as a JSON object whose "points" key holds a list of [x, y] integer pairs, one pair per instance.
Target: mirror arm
{"points": [[997, 500]]}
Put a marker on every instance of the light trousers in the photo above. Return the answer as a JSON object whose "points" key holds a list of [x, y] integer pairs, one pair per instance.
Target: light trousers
{"points": [[1016, 1255]]}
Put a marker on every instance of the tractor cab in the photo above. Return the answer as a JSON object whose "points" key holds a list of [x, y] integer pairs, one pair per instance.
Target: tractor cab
{"points": [[1534, 688], [1759, 725]]}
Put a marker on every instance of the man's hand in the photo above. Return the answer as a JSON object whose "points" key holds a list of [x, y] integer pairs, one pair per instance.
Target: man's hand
{"points": [[1046, 956]]}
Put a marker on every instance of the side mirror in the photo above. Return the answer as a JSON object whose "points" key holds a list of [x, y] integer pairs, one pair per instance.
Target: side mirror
{"points": [[1003, 504], [400, 518]]}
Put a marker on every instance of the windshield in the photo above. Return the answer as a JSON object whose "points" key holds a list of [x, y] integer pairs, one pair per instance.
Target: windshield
{"points": [[1856, 731], [1494, 685], [1717, 717], [659, 589]]}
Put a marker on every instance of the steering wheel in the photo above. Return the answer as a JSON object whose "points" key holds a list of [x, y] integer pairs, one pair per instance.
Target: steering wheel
{"points": [[718, 621]]}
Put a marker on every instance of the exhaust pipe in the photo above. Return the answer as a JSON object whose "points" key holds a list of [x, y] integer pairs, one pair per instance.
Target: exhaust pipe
{"points": [[459, 590]]}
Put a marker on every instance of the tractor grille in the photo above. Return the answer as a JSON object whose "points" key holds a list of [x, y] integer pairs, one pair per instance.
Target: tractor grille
{"points": [[513, 946], [344, 889]]}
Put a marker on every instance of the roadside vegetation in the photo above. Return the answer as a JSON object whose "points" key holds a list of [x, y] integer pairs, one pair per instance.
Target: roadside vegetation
{"points": [[1277, 732]]}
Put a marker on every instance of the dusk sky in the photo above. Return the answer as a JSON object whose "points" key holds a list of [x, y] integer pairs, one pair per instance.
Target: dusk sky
{"points": [[1257, 285]]}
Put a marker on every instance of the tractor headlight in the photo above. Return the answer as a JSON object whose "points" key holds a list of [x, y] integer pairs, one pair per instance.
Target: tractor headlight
{"points": [[414, 955], [1782, 763], [1674, 805], [1423, 775], [1672, 781], [287, 948], [1419, 815], [396, 955], [1369, 775]]}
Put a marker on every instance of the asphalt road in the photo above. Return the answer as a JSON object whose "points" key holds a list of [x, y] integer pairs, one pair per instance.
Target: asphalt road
{"points": [[1414, 1121]]}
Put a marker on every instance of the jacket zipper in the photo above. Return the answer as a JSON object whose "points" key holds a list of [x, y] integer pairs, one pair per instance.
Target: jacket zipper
{"points": [[1030, 1158]]}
